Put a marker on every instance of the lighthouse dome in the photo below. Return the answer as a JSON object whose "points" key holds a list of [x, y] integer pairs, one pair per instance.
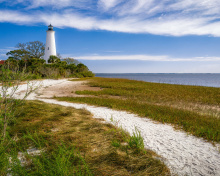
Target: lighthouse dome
{"points": [[50, 28]]}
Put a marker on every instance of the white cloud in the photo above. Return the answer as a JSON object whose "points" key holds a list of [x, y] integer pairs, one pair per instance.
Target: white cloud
{"points": [[176, 18], [108, 4], [61, 3], [146, 58], [69, 19], [4, 51], [17, 17]]}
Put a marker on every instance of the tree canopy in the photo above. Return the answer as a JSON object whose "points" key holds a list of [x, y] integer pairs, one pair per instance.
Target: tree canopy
{"points": [[53, 59], [28, 57], [70, 60], [19, 54], [35, 49]]}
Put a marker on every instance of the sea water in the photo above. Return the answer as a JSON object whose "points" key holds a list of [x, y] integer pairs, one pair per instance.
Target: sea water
{"points": [[198, 79]]}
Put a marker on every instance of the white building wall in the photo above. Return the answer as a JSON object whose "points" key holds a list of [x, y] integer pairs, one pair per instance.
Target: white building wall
{"points": [[50, 48]]}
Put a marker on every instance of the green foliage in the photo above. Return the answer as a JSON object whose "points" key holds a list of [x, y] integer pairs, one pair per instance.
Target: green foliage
{"points": [[88, 74], [62, 159], [10, 81], [70, 61], [18, 54], [116, 143], [4, 162], [28, 58], [34, 49], [81, 68], [136, 140], [53, 59]]}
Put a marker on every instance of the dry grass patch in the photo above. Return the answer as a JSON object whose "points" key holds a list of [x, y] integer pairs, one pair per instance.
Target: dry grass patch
{"points": [[105, 149]]}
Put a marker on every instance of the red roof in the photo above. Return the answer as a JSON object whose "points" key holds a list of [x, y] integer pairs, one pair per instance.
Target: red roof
{"points": [[2, 62]]}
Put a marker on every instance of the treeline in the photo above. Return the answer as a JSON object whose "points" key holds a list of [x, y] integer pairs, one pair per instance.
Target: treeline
{"points": [[28, 58]]}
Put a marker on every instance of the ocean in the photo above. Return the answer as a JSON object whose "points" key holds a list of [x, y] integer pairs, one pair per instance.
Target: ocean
{"points": [[197, 79]]}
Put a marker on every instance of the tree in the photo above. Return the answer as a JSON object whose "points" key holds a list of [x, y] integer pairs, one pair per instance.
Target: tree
{"points": [[35, 49], [26, 51], [34, 65], [70, 60], [72, 68], [19, 54], [81, 68], [12, 63], [53, 59], [27, 59]]}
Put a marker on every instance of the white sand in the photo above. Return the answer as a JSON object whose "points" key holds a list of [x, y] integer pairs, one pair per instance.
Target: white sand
{"points": [[183, 154]]}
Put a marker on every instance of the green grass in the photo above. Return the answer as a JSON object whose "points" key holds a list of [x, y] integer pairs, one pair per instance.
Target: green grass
{"points": [[156, 92], [72, 143], [136, 141], [60, 160], [192, 108]]}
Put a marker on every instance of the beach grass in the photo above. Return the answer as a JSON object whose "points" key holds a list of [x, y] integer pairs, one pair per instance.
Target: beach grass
{"points": [[194, 109], [71, 142]]}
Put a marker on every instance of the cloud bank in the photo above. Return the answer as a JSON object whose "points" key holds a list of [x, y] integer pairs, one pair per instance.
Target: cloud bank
{"points": [[167, 17], [146, 58]]}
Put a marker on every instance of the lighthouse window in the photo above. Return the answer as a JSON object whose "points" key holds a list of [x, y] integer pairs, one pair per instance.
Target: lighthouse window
{"points": [[48, 48]]}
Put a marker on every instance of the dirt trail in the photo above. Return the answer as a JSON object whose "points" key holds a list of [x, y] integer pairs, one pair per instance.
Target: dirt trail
{"points": [[183, 154]]}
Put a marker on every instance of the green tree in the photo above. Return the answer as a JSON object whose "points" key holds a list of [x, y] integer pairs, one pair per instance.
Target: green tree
{"points": [[11, 62], [72, 68], [35, 49], [27, 58], [81, 68], [70, 60], [34, 65], [19, 54], [53, 59]]}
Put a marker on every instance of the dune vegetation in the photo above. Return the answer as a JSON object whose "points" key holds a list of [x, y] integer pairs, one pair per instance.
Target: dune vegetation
{"points": [[194, 109]]}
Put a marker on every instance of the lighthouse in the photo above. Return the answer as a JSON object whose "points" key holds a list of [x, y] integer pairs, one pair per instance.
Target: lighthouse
{"points": [[50, 48]]}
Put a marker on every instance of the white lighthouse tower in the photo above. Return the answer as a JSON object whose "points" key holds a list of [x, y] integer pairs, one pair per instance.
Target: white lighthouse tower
{"points": [[50, 48]]}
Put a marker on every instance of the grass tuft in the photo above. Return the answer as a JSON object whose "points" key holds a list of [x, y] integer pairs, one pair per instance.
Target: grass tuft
{"points": [[136, 140]]}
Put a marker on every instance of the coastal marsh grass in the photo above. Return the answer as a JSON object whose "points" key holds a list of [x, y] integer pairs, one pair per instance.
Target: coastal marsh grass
{"points": [[194, 109], [71, 142]]}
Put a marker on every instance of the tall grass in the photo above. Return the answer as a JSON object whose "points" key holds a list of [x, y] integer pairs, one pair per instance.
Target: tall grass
{"points": [[162, 102], [60, 159]]}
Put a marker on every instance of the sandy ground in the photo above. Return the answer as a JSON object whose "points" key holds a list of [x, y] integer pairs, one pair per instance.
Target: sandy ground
{"points": [[66, 89], [182, 153]]}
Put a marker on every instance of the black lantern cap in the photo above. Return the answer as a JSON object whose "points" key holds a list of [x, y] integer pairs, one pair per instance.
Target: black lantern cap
{"points": [[50, 28]]}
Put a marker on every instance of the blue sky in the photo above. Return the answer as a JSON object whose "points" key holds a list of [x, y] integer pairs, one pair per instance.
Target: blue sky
{"points": [[121, 36]]}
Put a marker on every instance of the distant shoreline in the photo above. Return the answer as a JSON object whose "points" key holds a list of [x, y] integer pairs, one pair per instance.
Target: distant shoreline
{"points": [[193, 79]]}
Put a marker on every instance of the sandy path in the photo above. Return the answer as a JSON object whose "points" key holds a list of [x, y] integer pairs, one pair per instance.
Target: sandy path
{"points": [[183, 154]]}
